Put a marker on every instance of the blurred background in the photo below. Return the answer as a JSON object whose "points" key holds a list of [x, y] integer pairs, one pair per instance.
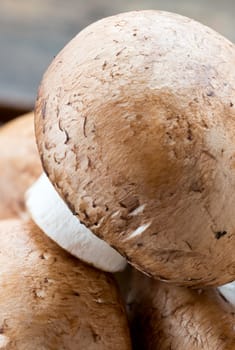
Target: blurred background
{"points": [[33, 31]]}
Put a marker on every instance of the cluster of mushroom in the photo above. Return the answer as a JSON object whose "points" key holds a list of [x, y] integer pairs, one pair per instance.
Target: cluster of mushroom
{"points": [[48, 298], [134, 127]]}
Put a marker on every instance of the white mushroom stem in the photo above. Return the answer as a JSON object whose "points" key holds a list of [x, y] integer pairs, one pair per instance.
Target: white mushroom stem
{"points": [[52, 215], [228, 291]]}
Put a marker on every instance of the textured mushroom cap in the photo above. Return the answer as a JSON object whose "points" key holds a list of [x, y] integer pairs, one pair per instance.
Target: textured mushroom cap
{"points": [[19, 164], [134, 123], [166, 317], [50, 300]]}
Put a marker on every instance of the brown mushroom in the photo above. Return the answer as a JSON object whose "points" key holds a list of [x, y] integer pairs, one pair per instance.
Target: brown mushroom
{"points": [[40, 303], [50, 300], [19, 164], [167, 317], [19, 167], [134, 124]]}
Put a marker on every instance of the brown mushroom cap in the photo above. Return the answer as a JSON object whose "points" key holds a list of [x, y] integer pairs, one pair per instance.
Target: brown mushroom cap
{"points": [[50, 300], [19, 164], [134, 124], [167, 317]]}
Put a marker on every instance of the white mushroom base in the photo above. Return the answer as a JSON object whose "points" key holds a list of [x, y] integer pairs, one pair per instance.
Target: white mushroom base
{"points": [[228, 291], [52, 215]]}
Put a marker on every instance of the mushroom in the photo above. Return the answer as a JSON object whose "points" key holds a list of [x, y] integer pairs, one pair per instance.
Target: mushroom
{"points": [[134, 125], [19, 164], [166, 317], [50, 300]]}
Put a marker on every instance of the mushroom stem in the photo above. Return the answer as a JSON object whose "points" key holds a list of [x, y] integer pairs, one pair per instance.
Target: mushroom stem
{"points": [[228, 291], [51, 214]]}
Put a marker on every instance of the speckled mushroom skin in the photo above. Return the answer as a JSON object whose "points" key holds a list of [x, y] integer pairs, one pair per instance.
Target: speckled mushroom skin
{"points": [[165, 317], [52, 301], [19, 164], [135, 127]]}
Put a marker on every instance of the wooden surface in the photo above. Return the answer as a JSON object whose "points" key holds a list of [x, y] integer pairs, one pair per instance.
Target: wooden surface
{"points": [[33, 31]]}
